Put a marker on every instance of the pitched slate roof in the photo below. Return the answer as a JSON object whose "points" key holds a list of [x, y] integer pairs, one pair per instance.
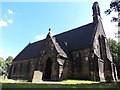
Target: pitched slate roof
{"points": [[30, 51], [78, 38]]}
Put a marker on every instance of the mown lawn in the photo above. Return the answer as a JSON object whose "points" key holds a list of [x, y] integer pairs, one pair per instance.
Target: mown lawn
{"points": [[62, 84]]}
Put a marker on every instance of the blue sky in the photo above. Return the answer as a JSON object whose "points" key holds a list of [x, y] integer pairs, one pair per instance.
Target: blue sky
{"points": [[24, 22]]}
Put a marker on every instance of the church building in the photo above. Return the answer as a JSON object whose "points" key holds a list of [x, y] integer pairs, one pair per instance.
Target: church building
{"points": [[82, 53]]}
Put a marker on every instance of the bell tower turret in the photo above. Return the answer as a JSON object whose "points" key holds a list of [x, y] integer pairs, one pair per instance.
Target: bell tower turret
{"points": [[96, 12]]}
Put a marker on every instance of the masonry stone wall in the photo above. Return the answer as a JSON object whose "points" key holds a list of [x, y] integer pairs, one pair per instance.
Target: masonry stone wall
{"points": [[24, 69], [80, 64]]}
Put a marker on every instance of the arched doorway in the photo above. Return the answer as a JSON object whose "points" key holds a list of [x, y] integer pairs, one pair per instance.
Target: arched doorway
{"points": [[47, 71]]}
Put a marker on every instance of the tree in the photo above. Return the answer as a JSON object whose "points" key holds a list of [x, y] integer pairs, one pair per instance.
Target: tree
{"points": [[114, 48], [114, 7], [115, 51], [2, 66], [1, 61], [8, 63], [5, 65]]}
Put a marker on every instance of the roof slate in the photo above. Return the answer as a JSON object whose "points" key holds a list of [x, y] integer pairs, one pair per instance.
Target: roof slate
{"points": [[78, 38]]}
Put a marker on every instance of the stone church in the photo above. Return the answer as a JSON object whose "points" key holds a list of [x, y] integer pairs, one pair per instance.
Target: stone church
{"points": [[81, 53]]}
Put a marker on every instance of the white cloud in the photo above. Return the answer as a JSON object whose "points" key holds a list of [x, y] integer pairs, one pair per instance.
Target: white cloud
{"points": [[110, 27], [3, 23], [39, 37], [5, 52], [5, 16], [5, 20], [10, 21], [10, 12]]}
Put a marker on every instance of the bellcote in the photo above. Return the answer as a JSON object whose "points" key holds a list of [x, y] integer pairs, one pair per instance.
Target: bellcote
{"points": [[96, 12]]}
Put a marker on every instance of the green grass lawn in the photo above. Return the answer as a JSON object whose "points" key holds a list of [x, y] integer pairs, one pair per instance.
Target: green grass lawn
{"points": [[62, 84]]}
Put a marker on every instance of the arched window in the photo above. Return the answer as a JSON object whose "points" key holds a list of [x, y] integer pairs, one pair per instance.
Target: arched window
{"points": [[20, 67], [102, 44], [28, 67]]}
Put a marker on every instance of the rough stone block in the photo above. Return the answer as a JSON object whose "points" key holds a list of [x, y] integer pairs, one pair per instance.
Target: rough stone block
{"points": [[37, 77]]}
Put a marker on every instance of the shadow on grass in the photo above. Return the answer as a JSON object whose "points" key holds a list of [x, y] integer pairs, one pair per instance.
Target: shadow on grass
{"points": [[41, 85]]}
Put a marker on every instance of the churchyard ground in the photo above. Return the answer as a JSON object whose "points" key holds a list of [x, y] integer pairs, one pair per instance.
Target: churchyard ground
{"points": [[9, 83]]}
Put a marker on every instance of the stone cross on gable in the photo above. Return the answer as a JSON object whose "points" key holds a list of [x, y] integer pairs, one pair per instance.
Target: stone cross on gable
{"points": [[49, 29]]}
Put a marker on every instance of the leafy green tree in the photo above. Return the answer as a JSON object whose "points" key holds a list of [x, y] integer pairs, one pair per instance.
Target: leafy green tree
{"points": [[119, 50], [8, 63], [115, 51], [2, 65], [114, 7], [114, 48], [5, 64], [1, 61]]}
